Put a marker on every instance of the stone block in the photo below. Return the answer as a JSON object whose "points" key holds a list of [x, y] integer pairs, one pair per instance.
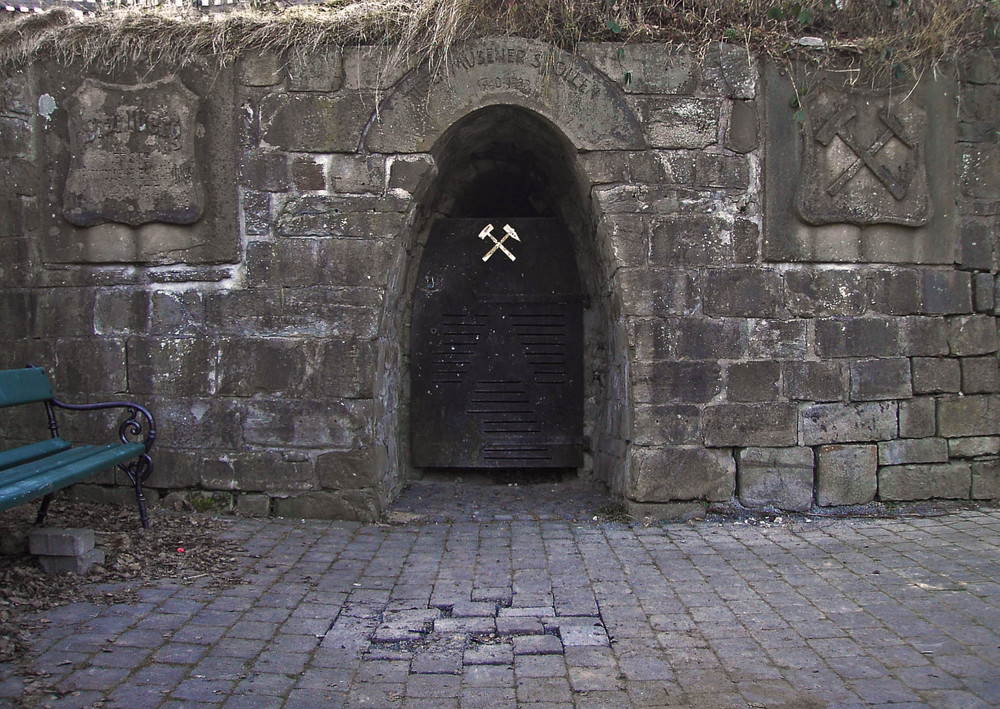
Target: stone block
{"points": [[917, 417], [681, 473], [983, 294], [358, 173], [857, 337], [742, 134], [777, 339], [903, 451], [407, 172], [260, 69], [972, 415], [972, 335], [700, 338], [330, 423], [947, 292], [753, 381], [721, 171], [319, 69], [285, 263], [925, 336], [876, 379], [738, 425], [79, 565], [650, 339], [260, 471], [746, 241], [350, 216], [680, 122], [307, 174], [666, 381], [846, 474], [848, 423], [665, 424], [974, 446], [950, 481], [677, 167], [775, 477], [980, 375], [265, 171], [986, 479], [347, 470], [177, 469], [688, 240], [177, 313], [624, 240], [171, 366], [121, 312], [742, 292], [936, 375], [315, 123], [359, 505], [253, 505], [738, 68], [644, 68], [814, 381], [52, 541], [657, 291], [976, 244], [823, 293], [896, 291]]}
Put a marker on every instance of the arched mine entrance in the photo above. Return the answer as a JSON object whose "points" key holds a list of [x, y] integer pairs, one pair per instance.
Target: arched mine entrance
{"points": [[505, 353]]}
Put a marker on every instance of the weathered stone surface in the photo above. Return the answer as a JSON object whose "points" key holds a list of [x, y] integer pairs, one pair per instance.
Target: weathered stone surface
{"points": [[666, 381], [256, 212], [650, 339], [265, 170], [778, 477], [947, 292], [360, 216], [847, 423], [857, 337], [986, 479], [777, 339], [737, 425], [983, 295], [260, 471], [359, 174], [721, 171], [688, 240], [917, 417], [681, 473], [980, 375], [315, 123], [347, 470], [950, 481], [679, 122], [609, 166], [666, 424], [407, 172], [935, 375], [307, 424], [738, 68], [742, 135], [972, 335], [644, 68], [563, 88], [361, 505], [697, 338], [973, 415], [133, 155], [974, 447], [976, 244], [321, 69], [15, 137], [913, 450], [177, 366], [260, 69], [742, 292], [896, 291], [814, 381], [832, 292], [846, 474], [253, 505], [924, 336], [746, 238], [876, 379], [753, 381], [657, 291]]}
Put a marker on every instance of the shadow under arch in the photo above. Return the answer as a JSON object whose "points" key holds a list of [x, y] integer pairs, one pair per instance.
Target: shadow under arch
{"points": [[506, 161]]}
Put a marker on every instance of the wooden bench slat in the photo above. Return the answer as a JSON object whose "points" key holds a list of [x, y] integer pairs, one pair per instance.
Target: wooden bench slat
{"points": [[33, 451], [22, 386], [50, 480]]}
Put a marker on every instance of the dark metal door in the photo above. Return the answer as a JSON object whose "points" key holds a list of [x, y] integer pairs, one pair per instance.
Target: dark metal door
{"points": [[497, 347]]}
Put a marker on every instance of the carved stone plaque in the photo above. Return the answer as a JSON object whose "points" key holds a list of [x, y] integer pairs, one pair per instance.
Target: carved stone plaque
{"points": [[863, 161], [133, 155]]}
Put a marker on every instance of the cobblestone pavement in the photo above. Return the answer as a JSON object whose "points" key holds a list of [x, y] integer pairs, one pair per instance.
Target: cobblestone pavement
{"points": [[474, 596]]}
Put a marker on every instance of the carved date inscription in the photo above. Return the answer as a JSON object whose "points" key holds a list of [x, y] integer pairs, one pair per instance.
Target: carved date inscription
{"points": [[133, 155]]}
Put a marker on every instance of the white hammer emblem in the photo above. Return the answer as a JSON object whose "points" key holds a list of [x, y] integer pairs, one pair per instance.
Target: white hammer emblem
{"points": [[509, 233]]}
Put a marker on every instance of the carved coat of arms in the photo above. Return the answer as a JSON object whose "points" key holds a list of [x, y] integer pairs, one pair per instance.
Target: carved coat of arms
{"points": [[863, 161]]}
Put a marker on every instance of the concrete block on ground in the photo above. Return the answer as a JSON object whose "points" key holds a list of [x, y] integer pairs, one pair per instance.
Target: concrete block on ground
{"points": [[779, 477], [73, 564], [846, 474], [52, 541]]}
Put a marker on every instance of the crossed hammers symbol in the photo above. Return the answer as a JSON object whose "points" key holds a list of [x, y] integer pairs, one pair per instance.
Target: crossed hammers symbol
{"points": [[498, 243], [836, 126]]}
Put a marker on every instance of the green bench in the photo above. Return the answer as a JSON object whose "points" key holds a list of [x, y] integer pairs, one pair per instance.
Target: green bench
{"points": [[40, 469]]}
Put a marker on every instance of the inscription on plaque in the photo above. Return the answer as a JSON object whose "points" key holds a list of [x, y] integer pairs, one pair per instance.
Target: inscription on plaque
{"points": [[133, 155], [863, 162]]}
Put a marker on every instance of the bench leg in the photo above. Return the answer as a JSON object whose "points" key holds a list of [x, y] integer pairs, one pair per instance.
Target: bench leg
{"points": [[44, 509], [137, 472]]}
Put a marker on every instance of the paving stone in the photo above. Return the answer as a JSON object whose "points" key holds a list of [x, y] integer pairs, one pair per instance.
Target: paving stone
{"points": [[489, 654], [537, 645]]}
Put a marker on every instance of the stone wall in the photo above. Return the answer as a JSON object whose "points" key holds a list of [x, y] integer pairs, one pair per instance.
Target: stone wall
{"points": [[792, 282]]}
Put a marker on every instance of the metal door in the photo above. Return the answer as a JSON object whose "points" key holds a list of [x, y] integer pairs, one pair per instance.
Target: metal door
{"points": [[497, 347]]}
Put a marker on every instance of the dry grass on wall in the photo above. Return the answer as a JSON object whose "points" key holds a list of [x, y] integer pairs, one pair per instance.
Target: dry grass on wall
{"points": [[887, 32]]}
